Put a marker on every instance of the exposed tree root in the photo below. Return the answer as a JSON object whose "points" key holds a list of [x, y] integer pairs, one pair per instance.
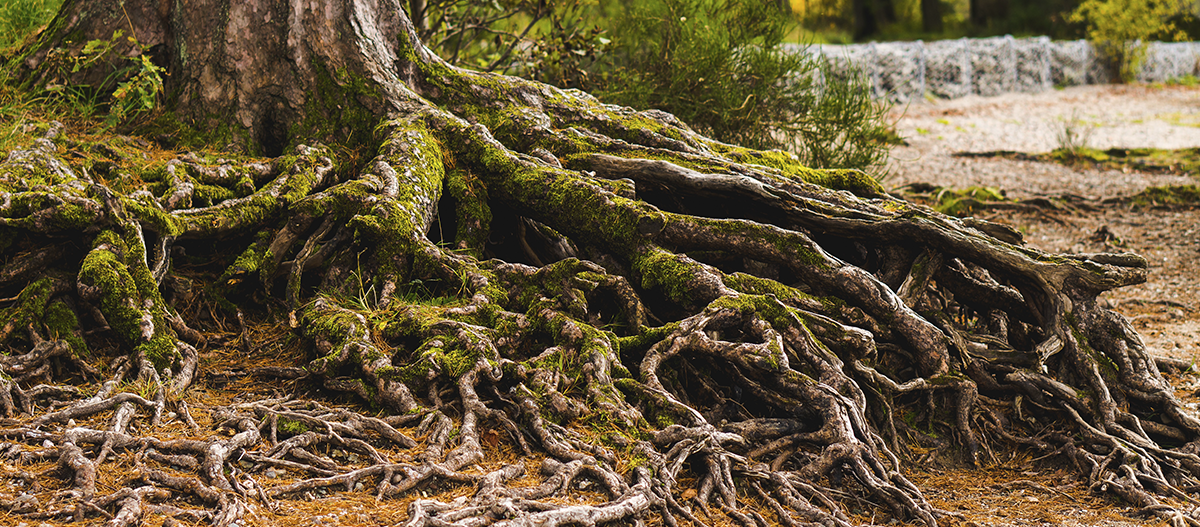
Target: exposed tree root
{"points": [[523, 267]]}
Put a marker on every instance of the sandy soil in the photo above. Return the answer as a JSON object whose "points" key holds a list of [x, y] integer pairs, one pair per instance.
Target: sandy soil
{"points": [[1165, 309], [1102, 116]]}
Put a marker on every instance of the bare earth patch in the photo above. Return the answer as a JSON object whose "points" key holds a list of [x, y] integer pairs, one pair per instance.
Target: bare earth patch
{"points": [[1165, 310]]}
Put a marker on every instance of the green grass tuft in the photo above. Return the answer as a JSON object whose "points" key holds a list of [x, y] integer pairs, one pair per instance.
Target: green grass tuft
{"points": [[22, 19]]}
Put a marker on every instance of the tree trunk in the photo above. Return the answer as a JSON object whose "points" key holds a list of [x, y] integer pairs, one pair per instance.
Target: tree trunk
{"points": [[931, 16], [871, 17], [695, 329]]}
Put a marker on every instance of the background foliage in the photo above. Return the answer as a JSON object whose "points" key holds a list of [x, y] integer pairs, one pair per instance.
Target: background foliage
{"points": [[716, 64], [1121, 28]]}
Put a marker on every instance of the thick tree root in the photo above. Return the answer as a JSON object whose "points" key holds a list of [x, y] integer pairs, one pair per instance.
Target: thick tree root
{"points": [[676, 327]]}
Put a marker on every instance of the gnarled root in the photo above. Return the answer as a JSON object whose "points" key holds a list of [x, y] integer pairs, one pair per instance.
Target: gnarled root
{"points": [[676, 326]]}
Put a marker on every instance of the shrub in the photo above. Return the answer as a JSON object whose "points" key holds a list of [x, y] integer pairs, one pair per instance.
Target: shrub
{"points": [[1121, 29], [718, 65]]}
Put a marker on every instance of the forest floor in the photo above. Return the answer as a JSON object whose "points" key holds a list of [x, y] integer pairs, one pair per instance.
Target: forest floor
{"points": [[1165, 310], [1011, 488]]}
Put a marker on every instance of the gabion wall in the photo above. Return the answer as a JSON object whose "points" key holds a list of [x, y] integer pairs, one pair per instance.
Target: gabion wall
{"points": [[904, 71]]}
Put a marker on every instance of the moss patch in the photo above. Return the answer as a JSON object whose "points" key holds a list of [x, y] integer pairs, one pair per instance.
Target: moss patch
{"points": [[1184, 161], [1166, 196], [957, 202]]}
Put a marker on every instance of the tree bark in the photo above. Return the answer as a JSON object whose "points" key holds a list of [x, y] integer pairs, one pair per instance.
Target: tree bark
{"points": [[523, 265]]}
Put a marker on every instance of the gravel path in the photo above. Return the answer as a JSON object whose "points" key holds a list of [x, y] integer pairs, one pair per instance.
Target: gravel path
{"points": [[1108, 116]]}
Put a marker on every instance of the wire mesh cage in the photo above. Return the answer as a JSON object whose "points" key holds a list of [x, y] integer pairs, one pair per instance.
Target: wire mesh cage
{"points": [[993, 65], [1168, 60], [1069, 60], [902, 69], [948, 68], [906, 71], [1032, 62]]}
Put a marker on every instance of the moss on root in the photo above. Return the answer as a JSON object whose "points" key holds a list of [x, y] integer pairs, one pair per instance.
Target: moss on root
{"points": [[128, 296], [734, 325], [62, 323]]}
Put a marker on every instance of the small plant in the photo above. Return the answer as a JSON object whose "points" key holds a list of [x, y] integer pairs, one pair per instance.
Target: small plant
{"points": [[129, 92], [1074, 135], [719, 66], [523, 36], [139, 93], [966, 201], [1186, 80], [291, 426]]}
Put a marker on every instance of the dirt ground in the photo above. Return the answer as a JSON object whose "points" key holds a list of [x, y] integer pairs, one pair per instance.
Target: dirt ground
{"points": [[1165, 309]]}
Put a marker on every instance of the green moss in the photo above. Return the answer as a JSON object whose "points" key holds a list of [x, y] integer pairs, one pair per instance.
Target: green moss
{"points": [[457, 361], [325, 320], [748, 283], [671, 273], [128, 293], [291, 426], [339, 110], [433, 356], [31, 303], [299, 179], [161, 348], [1078, 156], [663, 420], [160, 220], [947, 378], [188, 133], [69, 216], [1172, 195], [644, 339], [207, 195], [578, 205], [1175, 161], [856, 181], [473, 214], [956, 202], [801, 251], [393, 224], [778, 314], [62, 324], [580, 158], [302, 178], [571, 357], [251, 259], [964, 202], [103, 270]]}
